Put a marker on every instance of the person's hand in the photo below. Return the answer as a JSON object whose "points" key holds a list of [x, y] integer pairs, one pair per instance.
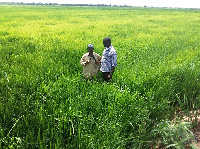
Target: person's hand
{"points": [[109, 76], [87, 62], [97, 62]]}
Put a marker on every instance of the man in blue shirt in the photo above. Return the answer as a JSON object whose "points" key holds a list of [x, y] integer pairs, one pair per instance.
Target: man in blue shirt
{"points": [[109, 60]]}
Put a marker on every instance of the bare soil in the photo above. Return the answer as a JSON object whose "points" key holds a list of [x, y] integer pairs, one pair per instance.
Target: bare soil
{"points": [[194, 118], [196, 132]]}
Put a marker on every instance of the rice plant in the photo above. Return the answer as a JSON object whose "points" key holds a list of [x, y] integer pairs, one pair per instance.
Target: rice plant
{"points": [[46, 103]]}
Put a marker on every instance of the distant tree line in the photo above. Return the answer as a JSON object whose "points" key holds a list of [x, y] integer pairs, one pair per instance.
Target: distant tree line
{"points": [[96, 5], [56, 4]]}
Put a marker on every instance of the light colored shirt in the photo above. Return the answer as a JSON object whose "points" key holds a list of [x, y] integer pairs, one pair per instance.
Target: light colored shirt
{"points": [[91, 69], [109, 59]]}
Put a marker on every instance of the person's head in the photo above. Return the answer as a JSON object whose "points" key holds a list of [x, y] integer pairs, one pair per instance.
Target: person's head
{"points": [[107, 42], [90, 48]]}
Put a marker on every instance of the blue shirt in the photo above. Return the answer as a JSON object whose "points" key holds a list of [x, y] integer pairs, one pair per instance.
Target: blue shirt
{"points": [[109, 59]]}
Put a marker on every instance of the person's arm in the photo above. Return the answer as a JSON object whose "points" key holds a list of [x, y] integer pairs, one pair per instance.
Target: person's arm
{"points": [[98, 59], [83, 61], [111, 72], [114, 64]]}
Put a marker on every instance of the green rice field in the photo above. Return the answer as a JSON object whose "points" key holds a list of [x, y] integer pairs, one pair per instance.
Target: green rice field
{"points": [[46, 103]]}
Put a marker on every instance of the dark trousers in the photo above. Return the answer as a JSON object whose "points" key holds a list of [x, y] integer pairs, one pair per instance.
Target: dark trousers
{"points": [[105, 76]]}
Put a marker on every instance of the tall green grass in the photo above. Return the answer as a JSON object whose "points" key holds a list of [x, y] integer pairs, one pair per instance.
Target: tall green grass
{"points": [[46, 103]]}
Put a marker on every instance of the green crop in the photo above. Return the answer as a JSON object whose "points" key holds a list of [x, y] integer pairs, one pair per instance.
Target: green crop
{"points": [[46, 103]]}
